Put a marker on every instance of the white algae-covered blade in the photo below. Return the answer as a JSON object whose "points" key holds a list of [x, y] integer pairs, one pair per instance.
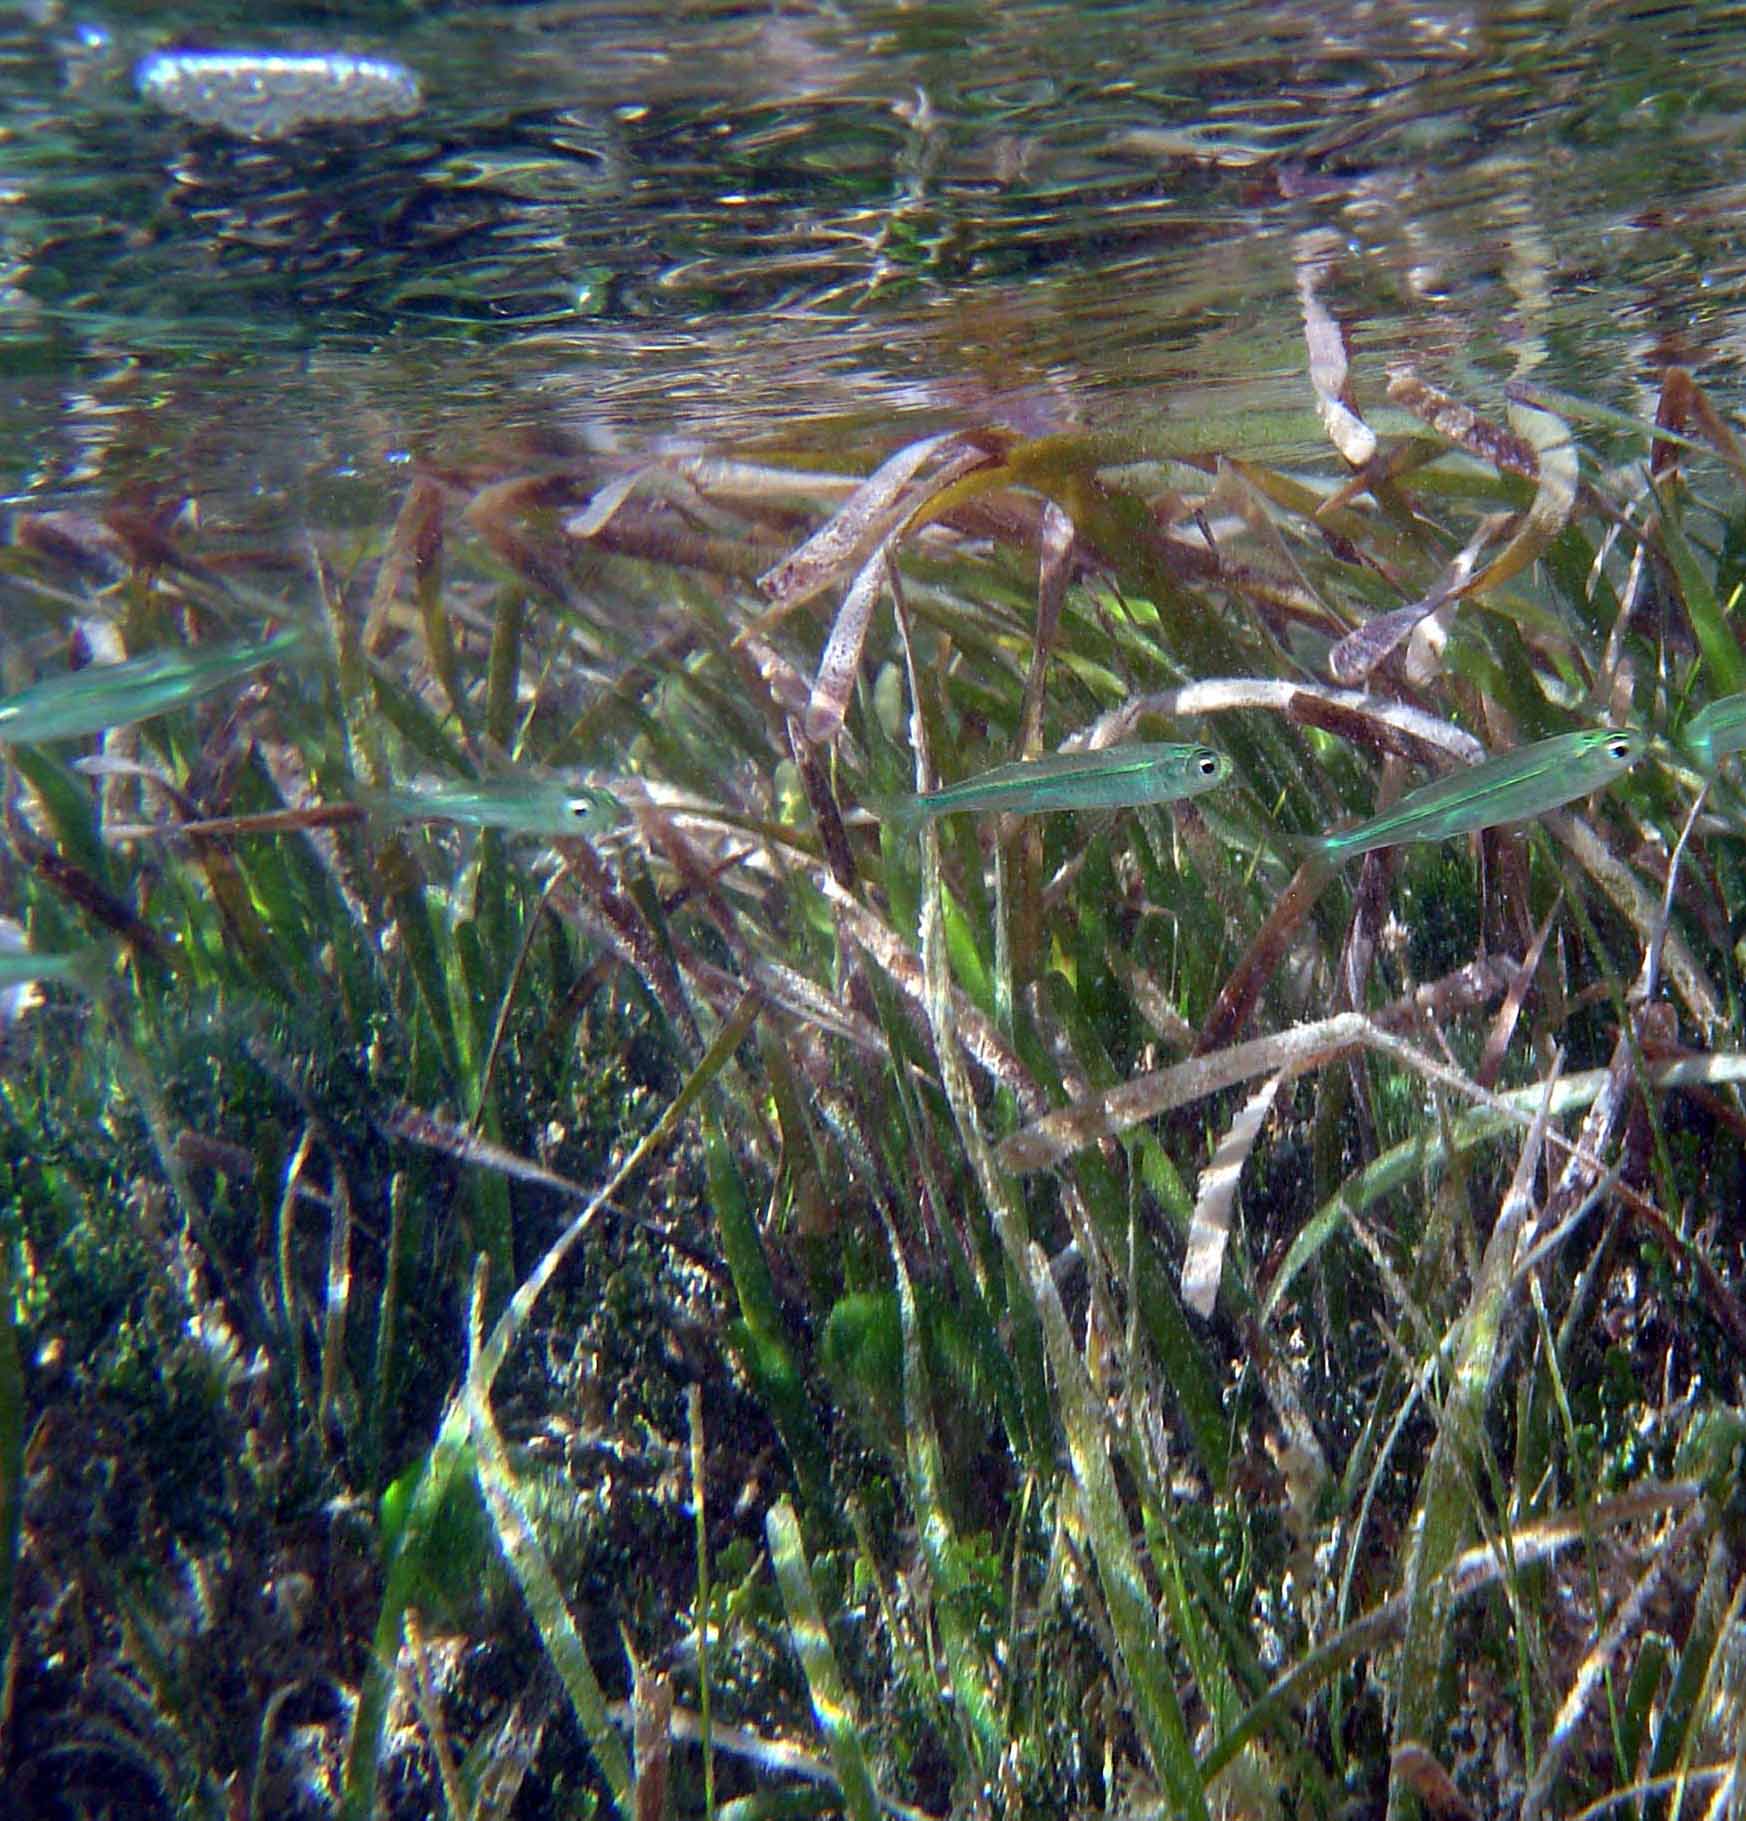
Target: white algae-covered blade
{"points": [[271, 96]]}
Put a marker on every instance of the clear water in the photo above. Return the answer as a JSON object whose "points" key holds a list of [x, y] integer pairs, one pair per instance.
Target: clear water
{"points": [[838, 225]]}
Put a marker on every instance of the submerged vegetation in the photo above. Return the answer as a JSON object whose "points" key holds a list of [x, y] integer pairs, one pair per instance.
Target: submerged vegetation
{"points": [[738, 1307]]}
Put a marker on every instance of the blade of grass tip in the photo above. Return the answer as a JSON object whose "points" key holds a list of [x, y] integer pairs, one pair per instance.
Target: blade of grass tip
{"points": [[337, 1301], [286, 1256], [768, 1350], [401, 882], [973, 1677], [1018, 854], [501, 1025], [534, 1575], [415, 546], [1329, 372], [1717, 640], [1560, 470], [1716, 431], [1130, 1604], [402, 1220], [79, 889], [1497, 1040], [369, 1724], [1501, 1115], [948, 1026], [439, 640], [1462, 425], [70, 809], [831, 1704], [864, 520], [503, 676], [365, 1747], [1642, 910], [700, 1520], [1445, 1515], [1681, 1730], [841, 661], [1209, 1230], [1359, 653], [1599, 1664], [1640, 1699], [430, 1717], [651, 1735], [249, 940], [12, 1426]]}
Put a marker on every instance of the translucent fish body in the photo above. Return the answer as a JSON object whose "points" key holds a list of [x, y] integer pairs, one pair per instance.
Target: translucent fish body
{"points": [[79, 702], [1715, 731], [1513, 787], [23, 967], [1116, 777], [548, 807]]}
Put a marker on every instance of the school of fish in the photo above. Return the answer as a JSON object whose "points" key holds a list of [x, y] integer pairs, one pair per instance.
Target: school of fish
{"points": [[1513, 786]]}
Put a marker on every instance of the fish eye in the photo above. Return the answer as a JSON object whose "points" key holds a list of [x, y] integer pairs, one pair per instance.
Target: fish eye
{"points": [[579, 807], [1209, 764], [1621, 746]]}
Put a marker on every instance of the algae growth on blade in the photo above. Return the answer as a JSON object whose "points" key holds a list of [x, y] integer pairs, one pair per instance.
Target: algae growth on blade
{"points": [[100, 696], [1512, 787], [1115, 777], [548, 807]]}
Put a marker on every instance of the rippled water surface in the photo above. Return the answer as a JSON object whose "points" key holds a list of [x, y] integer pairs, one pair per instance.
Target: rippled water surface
{"points": [[836, 225]]}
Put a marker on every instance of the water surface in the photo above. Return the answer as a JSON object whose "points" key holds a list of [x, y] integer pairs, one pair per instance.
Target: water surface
{"points": [[839, 225]]}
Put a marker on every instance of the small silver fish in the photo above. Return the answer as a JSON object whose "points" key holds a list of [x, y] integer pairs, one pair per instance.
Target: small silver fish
{"points": [[549, 807], [78, 702], [1114, 777], [1513, 787]]}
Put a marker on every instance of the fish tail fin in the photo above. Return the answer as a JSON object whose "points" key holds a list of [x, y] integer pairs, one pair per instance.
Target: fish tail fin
{"points": [[1305, 849], [85, 970], [384, 803], [903, 815]]}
